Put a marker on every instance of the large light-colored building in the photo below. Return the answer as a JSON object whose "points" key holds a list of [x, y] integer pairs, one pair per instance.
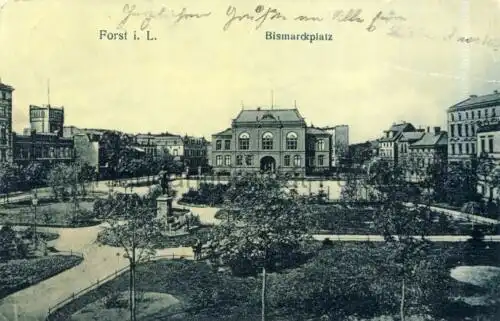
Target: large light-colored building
{"points": [[6, 122], [271, 140], [488, 151], [464, 119]]}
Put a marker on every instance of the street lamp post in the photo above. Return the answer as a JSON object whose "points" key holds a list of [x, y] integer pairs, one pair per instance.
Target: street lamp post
{"points": [[34, 202]]}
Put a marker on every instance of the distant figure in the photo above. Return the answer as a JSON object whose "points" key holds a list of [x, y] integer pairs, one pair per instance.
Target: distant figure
{"points": [[197, 249]]}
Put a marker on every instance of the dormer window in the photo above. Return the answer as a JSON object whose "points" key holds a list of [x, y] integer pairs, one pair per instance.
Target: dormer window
{"points": [[268, 116]]}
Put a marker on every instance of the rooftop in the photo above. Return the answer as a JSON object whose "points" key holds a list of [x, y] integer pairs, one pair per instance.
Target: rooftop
{"points": [[225, 132], [316, 131], [477, 101], [259, 114], [432, 139], [411, 136], [6, 87]]}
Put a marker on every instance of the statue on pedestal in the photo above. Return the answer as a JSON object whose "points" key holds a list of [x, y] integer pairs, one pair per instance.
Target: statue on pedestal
{"points": [[164, 180]]}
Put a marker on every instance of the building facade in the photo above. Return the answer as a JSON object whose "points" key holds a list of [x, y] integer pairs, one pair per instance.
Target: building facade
{"points": [[464, 119], [431, 150], [6, 123], [388, 145], [42, 147], [271, 140], [488, 153], [340, 143], [46, 119]]}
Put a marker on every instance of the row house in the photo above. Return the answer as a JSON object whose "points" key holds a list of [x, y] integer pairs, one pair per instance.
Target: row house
{"points": [[6, 122], [488, 153], [388, 145]]}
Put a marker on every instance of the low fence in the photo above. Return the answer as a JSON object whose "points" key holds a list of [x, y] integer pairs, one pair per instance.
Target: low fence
{"points": [[99, 282]]}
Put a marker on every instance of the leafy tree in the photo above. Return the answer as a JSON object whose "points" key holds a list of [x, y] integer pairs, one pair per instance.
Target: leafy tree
{"points": [[9, 178], [34, 174], [460, 184], [133, 224], [86, 174], [266, 229], [62, 179]]}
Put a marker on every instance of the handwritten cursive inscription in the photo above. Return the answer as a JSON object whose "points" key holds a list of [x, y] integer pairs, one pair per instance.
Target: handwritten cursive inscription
{"points": [[380, 16], [353, 15], [262, 15], [148, 16]]}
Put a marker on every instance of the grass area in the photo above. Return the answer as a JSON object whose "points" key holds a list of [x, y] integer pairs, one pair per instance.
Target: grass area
{"points": [[48, 212], [196, 291], [339, 219], [16, 275]]}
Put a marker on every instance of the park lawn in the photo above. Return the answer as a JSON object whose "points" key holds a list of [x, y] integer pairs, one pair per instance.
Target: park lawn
{"points": [[339, 219], [48, 212], [16, 275], [194, 291]]}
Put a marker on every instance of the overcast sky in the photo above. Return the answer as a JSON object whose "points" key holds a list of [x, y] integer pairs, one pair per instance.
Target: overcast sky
{"points": [[195, 76]]}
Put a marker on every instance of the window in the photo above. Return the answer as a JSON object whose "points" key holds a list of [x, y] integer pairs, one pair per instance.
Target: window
{"points": [[490, 144], [291, 140], [493, 112], [459, 129], [218, 145], [3, 136], [244, 141], [466, 128], [311, 161], [320, 144], [4, 155], [227, 144], [296, 160], [321, 160], [472, 114], [482, 145], [466, 115], [478, 114], [459, 116], [249, 160], [267, 141], [466, 148], [227, 160], [472, 129], [218, 160], [239, 160], [452, 130], [459, 149], [287, 160], [486, 113], [452, 117], [473, 148]]}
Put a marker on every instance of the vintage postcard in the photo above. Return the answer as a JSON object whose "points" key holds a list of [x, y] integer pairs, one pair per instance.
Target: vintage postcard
{"points": [[238, 160]]}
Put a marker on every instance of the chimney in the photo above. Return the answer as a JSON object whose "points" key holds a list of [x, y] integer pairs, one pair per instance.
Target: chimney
{"points": [[428, 129], [258, 108], [495, 91], [473, 96], [437, 130]]}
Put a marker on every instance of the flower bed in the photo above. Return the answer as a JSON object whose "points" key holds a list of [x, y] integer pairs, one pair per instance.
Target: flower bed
{"points": [[16, 275]]}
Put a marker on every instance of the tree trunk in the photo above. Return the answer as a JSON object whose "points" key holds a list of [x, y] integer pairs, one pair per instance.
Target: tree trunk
{"points": [[131, 285], [263, 294], [133, 307], [402, 305]]}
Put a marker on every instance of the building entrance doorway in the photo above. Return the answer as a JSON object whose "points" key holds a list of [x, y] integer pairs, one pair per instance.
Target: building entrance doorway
{"points": [[268, 164]]}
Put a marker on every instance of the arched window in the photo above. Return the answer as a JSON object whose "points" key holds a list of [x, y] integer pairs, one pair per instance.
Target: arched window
{"points": [[287, 160], [296, 160], [291, 140], [244, 141], [267, 141]]}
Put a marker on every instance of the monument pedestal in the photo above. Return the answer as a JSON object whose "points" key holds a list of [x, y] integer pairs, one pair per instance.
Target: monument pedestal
{"points": [[164, 207]]}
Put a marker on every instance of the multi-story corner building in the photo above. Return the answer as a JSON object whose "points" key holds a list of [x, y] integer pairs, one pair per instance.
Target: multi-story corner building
{"points": [[429, 150], [47, 119], [388, 145], [340, 143], [271, 140], [488, 142], [6, 122], [464, 119]]}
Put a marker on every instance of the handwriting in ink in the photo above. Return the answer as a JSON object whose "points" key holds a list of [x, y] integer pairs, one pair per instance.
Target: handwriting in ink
{"points": [[306, 18], [353, 15], [130, 11], [381, 17], [262, 14], [183, 15]]}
